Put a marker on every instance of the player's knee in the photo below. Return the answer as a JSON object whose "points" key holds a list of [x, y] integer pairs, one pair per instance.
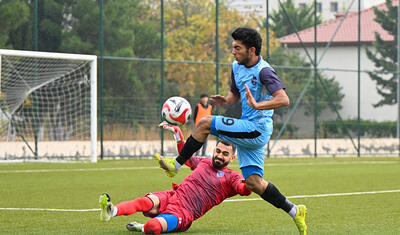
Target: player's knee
{"points": [[250, 185], [255, 184], [153, 226], [156, 205], [205, 122]]}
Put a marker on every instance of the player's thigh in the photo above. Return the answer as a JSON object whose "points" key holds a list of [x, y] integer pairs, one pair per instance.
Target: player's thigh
{"points": [[160, 202], [240, 132], [251, 157]]}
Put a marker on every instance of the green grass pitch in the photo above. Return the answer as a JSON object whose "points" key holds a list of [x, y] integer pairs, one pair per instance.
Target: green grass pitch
{"points": [[78, 186]]}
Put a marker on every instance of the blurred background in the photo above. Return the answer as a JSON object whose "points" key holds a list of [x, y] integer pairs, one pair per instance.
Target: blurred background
{"points": [[337, 58]]}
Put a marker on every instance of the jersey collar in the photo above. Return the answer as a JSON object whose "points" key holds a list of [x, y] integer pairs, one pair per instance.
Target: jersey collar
{"points": [[259, 59]]}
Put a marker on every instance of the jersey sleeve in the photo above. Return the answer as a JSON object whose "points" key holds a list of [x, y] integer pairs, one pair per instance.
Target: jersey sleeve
{"points": [[193, 162], [238, 185], [234, 88], [270, 80]]}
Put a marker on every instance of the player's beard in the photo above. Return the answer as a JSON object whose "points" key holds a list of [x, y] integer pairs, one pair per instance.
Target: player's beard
{"points": [[245, 60], [218, 165]]}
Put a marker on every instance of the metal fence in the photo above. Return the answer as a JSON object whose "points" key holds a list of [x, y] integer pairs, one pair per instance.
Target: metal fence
{"points": [[151, 50]]}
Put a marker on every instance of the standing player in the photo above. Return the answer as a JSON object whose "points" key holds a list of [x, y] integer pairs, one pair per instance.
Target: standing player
{"points": [[258, 87], [174, 210]]}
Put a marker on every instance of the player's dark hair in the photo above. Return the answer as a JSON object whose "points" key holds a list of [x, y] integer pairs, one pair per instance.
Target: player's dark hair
{"points": [[227, 144], [249, 37], [203, 95]]}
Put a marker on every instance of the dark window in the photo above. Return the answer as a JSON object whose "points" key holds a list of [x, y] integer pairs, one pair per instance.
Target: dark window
{"points": [[319, 7], [334, 7]]}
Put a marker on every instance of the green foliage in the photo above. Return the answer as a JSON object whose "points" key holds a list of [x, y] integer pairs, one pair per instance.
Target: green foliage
{"points": [[50, 26], [290, 131], [301, 17], [190, 33], [384, 56], [296, 79], [13, 14], [370, 129]]}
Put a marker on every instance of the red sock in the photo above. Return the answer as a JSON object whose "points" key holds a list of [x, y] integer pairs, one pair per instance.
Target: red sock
{"points": [[141, 204], [153, 226]]}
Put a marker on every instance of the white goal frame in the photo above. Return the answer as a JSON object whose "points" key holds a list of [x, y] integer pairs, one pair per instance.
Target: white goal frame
{"points": [[93, 85]]}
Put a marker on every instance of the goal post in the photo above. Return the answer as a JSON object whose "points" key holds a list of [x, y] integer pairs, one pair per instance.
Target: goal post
{"points": [[48, 105]]}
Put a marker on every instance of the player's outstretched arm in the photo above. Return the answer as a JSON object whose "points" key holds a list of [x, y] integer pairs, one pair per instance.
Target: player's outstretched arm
{"points": [[242, 189], [193, 161], [279, 99], [221, 100], [174, 130]]}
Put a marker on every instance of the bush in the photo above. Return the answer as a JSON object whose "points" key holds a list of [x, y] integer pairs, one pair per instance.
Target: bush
{"points": [[289, 133], [335, 129]]}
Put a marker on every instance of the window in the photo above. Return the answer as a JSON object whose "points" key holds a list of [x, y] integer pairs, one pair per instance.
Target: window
{"points": [[302, 5], [319, 7], [334, 7]]}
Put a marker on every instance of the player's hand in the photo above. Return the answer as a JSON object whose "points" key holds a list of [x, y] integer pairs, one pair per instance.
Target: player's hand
{"points": [[174, 129], [250, 99], [242, 189], [166, 126], [218, 100]]}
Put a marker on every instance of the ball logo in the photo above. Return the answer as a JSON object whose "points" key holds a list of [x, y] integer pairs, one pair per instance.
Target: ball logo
{"points": [[178, 106]]}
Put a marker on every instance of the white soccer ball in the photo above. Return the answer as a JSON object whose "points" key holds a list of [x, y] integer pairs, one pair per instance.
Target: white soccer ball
{"points": [[176, 110]]}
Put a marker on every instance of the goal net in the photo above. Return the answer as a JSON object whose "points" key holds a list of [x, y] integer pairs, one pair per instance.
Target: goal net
{"points": [[47, 106]]}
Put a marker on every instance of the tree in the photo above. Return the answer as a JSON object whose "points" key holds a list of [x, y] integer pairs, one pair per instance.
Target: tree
{"points": [[301, 17], [50, 19], [190, 33], [296, 79], [129, 31], [13, 13], [384, 56]]}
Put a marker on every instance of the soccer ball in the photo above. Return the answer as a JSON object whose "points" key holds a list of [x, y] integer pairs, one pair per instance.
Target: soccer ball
{"points": [[176, 110]]}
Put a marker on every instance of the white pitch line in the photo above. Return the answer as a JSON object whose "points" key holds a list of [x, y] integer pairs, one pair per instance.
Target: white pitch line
{"points": [[321, 195], [230, 200], [48, 209], [81, 169], [333, 163], [235, 165]]}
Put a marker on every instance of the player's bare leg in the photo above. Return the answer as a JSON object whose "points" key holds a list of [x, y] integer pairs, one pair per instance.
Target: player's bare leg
{"points": [[271, 194], [202, 130]]}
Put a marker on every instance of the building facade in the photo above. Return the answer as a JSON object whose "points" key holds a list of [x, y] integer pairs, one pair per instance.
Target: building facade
{"points": [[328, 8], [341, 61]]}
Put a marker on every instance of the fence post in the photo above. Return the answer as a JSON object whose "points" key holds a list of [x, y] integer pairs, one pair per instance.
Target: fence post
{"points": [[315, 81], [359, 78], [101, 79], [398, 73], [162, 75]]}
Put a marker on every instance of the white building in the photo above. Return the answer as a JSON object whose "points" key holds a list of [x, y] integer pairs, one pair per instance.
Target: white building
{"points": [[342, 54], [328, 8]]}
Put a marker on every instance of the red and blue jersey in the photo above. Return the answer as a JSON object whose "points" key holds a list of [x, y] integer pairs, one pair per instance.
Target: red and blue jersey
{"points": [[207, 186]]}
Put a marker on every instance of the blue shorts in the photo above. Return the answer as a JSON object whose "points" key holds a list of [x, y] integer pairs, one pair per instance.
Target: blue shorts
{"points": [[250, 138], [172, 221], [251, 170]]}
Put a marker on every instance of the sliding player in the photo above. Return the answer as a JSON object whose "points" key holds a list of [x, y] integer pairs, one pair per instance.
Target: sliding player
{"points": [[210, 183]]}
